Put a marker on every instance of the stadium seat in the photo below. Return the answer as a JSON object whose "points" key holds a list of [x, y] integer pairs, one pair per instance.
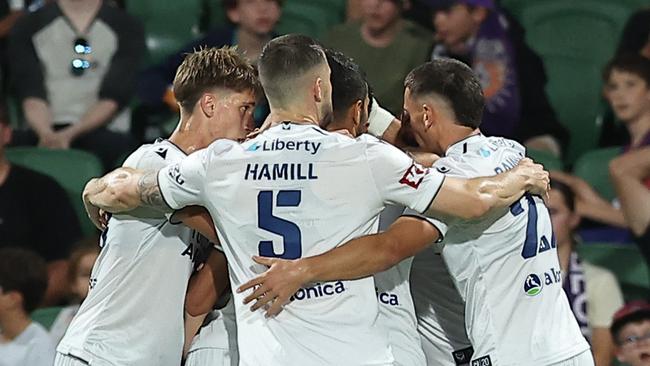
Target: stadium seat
{"points": [[550, 161], [312, 18], [169, 25], [70, 168], [625, 261], [594, 168], [46, 316], [575, 39]]}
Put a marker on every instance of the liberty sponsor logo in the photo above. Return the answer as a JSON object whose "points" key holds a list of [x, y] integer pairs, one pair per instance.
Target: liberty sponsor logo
{"points": [[533, 284], [414, 175], [318, 290], [279, 145]]}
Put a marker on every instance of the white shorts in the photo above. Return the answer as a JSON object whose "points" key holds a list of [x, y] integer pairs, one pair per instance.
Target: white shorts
{"points": [[67, 360], [583, 359], [208, 357]]}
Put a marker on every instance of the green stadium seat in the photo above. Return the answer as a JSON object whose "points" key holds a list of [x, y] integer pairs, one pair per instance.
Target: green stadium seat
{"points": [[550, 161], [46, 316], [169, 25], [70, 168], [625, 261], [593, 167], [575, 39], [312, 18]]}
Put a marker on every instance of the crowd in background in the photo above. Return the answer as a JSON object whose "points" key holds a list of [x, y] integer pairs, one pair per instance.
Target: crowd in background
{"points": [[77, 75]]}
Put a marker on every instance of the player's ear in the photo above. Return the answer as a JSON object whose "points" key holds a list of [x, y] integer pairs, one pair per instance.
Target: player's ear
{"points": [[358, 112], [318, 90], [208, 104], [429, 116]]}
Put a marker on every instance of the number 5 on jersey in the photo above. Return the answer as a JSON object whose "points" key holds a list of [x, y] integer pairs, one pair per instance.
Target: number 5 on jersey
{"points": [[532, 242], [289, 231]]}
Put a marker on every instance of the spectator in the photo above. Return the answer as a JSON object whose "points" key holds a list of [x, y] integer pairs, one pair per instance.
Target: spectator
{"points": [[385, 46], [627, 88], [631, 332], [630, 174], [73, 65], [81, 261], [513, 77], [23, 279], [635, 39], [251, 27], [35, 214], [593, 292]]}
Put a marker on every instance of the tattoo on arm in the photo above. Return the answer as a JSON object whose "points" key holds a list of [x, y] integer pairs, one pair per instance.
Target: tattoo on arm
{"points": [[149, 192]]}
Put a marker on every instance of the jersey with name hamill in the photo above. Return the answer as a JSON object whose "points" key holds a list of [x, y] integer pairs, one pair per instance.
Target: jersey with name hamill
{"points": [[297, 191]]}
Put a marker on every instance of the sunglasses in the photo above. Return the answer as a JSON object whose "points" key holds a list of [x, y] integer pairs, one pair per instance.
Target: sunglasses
{"points": [[79, 65]]}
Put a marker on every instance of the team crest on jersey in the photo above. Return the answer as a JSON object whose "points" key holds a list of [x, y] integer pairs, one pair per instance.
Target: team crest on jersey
{"points": [[533, 285], [414, 175]]}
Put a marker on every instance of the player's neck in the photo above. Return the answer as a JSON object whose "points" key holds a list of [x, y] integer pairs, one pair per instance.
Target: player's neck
{"points": [[638, 129], [13, 324], [278, 116], [455, 134]]}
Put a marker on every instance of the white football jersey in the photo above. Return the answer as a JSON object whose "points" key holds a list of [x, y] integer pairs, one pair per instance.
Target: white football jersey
{"points": [[133, 314], [440, 310], [297, 191], [506, 268]]}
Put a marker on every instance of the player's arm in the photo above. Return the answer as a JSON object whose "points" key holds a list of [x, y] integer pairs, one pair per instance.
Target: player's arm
{"points": [[357, 258], [199, 219], [473, 198], [207, 284], [124, 189]]}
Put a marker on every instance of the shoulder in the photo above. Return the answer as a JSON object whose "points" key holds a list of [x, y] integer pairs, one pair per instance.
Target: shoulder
{"points": [[32, 22], [119, 19]]}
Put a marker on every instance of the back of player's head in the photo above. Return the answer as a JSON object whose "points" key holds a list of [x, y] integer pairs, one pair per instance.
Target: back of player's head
{"points": [[631, 63], [566, 192], [209, 69], [283, 63], [455, 83], [348, 83], [633, 312], [25, 272]]}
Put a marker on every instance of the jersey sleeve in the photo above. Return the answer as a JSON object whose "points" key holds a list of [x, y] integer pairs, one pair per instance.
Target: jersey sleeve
{"points": [[182, 184], [399, 179], [440, 225]]}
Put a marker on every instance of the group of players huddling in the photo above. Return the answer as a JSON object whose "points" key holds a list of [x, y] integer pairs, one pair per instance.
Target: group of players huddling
{"points": [[288, 220]]}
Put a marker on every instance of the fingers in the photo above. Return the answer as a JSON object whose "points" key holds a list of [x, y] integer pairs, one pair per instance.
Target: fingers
{"points": [[251, 284], [262, 301], [257, 293], [276, 308]]}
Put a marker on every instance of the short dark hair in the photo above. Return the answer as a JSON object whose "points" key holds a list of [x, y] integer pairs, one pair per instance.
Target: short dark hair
{"points": [[453, 81], [23, 271], [632, 63], [348, 83], [285, 59], [231, 4], [567, 193], [210, 68], [618, 324]]}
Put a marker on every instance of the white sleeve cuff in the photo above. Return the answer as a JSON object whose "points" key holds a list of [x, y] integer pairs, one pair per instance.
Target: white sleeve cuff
{"points": [[379, 120]]}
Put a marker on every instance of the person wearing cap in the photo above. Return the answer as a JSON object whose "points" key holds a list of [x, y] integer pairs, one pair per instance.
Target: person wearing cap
{"points": [[631, 332], [385, 45], [478, 33]]}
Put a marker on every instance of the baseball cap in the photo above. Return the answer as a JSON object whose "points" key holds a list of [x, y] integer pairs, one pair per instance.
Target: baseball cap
{"points": [[446, 4], [632, 311]]}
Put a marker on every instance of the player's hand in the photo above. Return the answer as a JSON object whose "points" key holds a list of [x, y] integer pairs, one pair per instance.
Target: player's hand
{"points": [[273, 288], [104, 193], [94, 213], [537, 179]]}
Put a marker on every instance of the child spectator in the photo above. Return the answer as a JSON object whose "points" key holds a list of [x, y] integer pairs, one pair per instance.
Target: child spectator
{"points": [[80, 266], [631, 332], [23, 279], [478, 33], [593, 292]]}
